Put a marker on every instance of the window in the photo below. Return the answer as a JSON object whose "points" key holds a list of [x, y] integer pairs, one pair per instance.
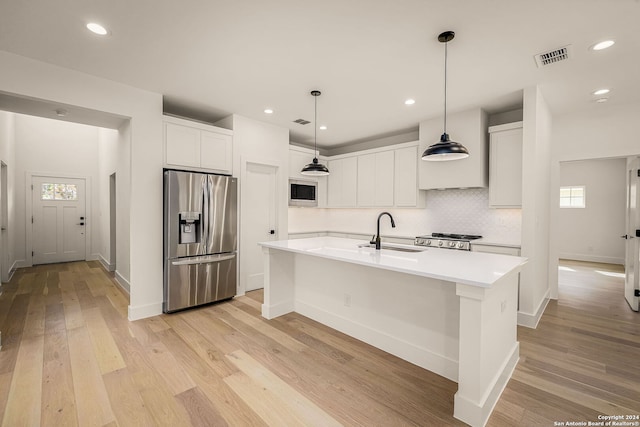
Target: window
{"points": [[572, 197], [59, 192]]}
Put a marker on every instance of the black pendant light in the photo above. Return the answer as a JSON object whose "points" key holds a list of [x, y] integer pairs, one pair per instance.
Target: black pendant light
{"points": [[315, 168], [445, 149]]}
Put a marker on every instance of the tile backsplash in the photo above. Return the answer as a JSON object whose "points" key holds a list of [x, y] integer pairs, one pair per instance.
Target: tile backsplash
{"points": [[448, 211], [467, 211]]}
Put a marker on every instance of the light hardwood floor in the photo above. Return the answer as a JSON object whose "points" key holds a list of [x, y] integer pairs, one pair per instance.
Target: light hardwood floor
{"points": [[70, 357]]}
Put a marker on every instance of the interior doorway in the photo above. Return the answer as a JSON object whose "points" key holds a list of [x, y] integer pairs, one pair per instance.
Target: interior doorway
{"points": [[4, 227], [260, 219], [112, 222], [632, 250]]}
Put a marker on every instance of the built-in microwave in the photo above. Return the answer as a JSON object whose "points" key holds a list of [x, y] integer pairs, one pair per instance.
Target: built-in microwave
{"points": [[303, 193]]}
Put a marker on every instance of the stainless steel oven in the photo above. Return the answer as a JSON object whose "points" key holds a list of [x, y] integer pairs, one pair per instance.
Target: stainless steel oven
{"points": [[303, 193]]}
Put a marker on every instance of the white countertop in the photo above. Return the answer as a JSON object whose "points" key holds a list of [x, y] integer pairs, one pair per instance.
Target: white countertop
{"points": [[471, 268]]}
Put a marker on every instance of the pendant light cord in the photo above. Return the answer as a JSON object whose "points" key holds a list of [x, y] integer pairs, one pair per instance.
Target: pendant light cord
{"points": [[445, 87], [315, 127]]}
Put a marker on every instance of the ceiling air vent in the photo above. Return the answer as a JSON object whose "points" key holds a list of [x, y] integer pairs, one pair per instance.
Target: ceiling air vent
{"points": [[302, 121], [552, 56]]}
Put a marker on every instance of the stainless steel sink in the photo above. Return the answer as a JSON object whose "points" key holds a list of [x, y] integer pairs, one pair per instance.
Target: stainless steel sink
{"points": [[388, 247]]}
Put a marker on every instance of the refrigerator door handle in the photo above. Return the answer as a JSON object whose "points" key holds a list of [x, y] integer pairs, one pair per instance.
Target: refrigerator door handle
{"points": [[204, 259]]}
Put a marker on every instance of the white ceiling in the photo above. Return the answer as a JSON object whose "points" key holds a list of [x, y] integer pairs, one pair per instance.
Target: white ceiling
{"points": [[211, 58]]}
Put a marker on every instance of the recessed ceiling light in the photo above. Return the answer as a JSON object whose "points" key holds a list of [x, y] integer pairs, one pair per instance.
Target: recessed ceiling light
{"points": [[97, 29], [601, 100], [409, 101], [323, 127], [603, 45], [268, 111], [601, 91]]}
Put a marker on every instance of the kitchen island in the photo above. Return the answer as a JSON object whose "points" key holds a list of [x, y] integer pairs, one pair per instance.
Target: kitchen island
{"points": [[451, 312]]}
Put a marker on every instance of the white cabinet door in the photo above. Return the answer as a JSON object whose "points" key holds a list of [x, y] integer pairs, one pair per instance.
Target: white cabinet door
{"points": [[366, 181], [349, 181], [384, 178], [343, 182], [216, 151], [298, 160], [505, 166], [406, 177], [182, 145], [375, 179]]}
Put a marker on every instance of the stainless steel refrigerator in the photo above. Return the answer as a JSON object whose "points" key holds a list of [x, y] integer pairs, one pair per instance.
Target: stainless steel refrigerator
{"points": [[200, 239]]}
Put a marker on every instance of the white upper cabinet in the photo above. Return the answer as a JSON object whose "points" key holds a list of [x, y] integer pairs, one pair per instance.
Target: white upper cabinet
{"points": [[197, 146], [505, 166], [342, 182], [406, 193], [468, 128], [376, 179]]}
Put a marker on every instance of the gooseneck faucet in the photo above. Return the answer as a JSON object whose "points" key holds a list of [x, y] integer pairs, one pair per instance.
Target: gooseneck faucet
{"points": [[377, 236]]}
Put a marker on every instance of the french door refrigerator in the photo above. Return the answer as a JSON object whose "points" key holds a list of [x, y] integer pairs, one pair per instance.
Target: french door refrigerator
{"points": [[200, 239]]}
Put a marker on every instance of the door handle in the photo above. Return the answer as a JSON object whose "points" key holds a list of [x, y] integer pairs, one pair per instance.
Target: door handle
{"points": [[626, 236]]}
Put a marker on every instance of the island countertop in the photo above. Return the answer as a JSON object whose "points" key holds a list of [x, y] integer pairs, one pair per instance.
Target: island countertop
{"points": [[470, 268]]}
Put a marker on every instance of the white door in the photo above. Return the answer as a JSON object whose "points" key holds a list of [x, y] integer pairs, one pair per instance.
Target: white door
{"points": [[58, 219], [259, 219], [632, 260], [4, 217]]}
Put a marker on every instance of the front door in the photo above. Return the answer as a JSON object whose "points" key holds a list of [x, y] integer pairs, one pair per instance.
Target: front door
{"points": [[632, 260], [259, 211], [58, 220]]}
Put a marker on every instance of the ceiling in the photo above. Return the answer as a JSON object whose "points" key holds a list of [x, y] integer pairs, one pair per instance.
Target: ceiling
{"points": [[212, 58]]}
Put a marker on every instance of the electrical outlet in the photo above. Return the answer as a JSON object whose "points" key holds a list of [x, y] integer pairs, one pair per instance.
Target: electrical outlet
{"points": [[347, 300]]}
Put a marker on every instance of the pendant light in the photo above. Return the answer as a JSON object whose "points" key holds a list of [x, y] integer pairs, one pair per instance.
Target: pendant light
{"points": [[445, 149], [315, 168]]}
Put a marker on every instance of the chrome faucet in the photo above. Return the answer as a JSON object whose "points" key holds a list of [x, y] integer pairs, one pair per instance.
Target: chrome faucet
{"points": [[376, 239]]}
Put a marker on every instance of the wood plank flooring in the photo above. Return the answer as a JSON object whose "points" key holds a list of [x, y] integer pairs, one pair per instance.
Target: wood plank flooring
{"points": [[70, 357]]}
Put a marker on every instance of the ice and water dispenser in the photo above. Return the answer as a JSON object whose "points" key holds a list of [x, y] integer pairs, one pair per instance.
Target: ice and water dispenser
{"points": [[189, 227]]}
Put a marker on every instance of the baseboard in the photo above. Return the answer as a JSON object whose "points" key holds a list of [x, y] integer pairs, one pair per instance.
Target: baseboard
{"points": [[592, 258], [531, 320], [22, 263], [93, 257], [124, 283], [144, 311], [275, 310], [477, 414], [12, 270], [107, 265], [419, 356]]}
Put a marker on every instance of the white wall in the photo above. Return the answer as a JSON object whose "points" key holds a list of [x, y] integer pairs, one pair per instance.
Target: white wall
{"points": [[593, 233], [35, 79], [7, 156], [259, 142], [58, 148], [608, 131], [447, 211], [536, 184]]}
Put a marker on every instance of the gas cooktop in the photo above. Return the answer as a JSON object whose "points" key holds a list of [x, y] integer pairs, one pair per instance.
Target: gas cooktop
{"points": [[447, 241]]}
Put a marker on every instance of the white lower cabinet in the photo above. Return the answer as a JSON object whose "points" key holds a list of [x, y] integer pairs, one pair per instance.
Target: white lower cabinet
{"points": [[197, 146], [491, 249]]}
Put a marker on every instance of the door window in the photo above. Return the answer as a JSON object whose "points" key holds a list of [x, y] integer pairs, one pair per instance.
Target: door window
{"points": [[59, 192]]}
